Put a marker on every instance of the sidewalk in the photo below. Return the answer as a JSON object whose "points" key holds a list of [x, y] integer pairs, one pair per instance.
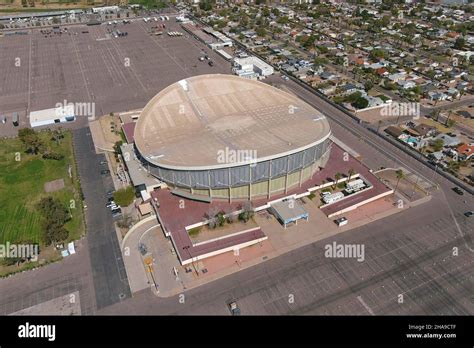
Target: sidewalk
{"points": [[281, 241], [138, 278]]}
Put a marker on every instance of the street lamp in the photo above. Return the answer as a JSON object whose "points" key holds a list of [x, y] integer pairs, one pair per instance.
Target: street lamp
{"points": [[192, 259]]}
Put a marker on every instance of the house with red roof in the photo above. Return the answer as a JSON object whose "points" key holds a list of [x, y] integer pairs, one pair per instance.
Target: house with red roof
{"points": [[465, 151]]}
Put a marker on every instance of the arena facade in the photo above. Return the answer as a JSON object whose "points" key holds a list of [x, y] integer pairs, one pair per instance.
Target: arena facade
{"points": [[226, 137]]}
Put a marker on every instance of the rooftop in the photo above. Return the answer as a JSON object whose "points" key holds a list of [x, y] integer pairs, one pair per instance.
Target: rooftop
{"points": [[187, 124]]}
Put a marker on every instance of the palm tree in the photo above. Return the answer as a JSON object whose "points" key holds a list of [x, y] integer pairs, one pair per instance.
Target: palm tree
{"points": [[337, 176], [400, 175], [447, 118], [351, 172]]}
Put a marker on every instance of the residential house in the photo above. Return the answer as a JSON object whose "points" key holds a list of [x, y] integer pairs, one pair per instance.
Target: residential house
{"points": [[465, 151], [394, 131], [406, 84], [425, 130], [328, 75], [436, 156], [348, 89], [437, 96]]}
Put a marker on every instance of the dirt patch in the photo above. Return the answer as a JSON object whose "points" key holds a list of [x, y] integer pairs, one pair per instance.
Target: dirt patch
{"points": [[206, 233], [53, 186]]}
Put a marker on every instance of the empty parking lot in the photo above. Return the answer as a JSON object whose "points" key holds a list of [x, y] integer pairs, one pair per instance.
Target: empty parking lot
{"points": [[88, 64]]}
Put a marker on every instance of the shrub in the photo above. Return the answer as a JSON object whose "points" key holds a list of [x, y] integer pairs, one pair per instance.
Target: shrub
{"points": [[53, 155], [124, 197], [195, 231]]}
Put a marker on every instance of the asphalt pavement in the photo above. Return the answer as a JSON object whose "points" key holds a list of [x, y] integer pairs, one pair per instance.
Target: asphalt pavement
{"points": [[108, 270]]}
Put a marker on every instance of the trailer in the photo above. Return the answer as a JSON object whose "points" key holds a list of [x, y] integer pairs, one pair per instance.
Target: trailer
{"points": [[354, 185], [334, 197]]}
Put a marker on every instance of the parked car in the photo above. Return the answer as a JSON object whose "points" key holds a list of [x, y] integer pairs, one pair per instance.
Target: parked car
{"points": [[105, 172], [103, 163], [114, 206], [143, 249], [469, 213], [211, 63], [341, 221], [233, 307], [116, 212], [458, 191]]}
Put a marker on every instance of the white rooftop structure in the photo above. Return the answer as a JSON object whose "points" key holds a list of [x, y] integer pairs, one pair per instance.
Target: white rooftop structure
{"points": [[51, 116], [253, 64]]}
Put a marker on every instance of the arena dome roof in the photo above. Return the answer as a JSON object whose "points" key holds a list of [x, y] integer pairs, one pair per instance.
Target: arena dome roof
{"points": [[188, 124]]}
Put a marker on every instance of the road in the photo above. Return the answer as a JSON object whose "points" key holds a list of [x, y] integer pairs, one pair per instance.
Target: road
{"points": [[408, 254], [107, 266]]}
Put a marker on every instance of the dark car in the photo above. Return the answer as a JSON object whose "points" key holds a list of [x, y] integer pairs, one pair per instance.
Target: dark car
{"points": [[105, 172], [469, 213], [211, 63], [458, 191], [233, 307]]}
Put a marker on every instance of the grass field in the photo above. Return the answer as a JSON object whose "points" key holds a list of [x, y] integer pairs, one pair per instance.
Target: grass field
{"points": [[22, 186]]}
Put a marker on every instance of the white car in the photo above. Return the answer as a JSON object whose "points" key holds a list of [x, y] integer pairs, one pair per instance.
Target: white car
{"points": [[341, 221]]}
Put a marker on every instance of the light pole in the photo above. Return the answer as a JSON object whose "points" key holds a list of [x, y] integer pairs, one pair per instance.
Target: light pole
{"points": [[192, 259]]}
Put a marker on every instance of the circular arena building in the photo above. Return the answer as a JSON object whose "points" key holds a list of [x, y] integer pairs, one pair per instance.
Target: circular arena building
{"points": [[226, 137]]}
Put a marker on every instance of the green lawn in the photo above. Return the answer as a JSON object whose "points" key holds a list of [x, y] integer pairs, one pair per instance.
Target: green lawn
{"points": [[22, 186]]}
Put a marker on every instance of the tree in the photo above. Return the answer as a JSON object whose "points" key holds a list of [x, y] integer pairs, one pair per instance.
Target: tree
{"points": [[437, 144], [261, 31], [385, 21], [400, 175], [447, 118], [352, 98], [205, 6], [368, 85], [247, 212], [31, 140], [435, 114], [338, 177], [124, 197], [360, 103], [350, 172], [57, 135], [459, 43], [55, 216], [377, 54], [53, 211], [54, 233]]}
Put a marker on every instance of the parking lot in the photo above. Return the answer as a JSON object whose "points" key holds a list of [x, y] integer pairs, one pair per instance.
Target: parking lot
{"points": [[88, 64]]}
